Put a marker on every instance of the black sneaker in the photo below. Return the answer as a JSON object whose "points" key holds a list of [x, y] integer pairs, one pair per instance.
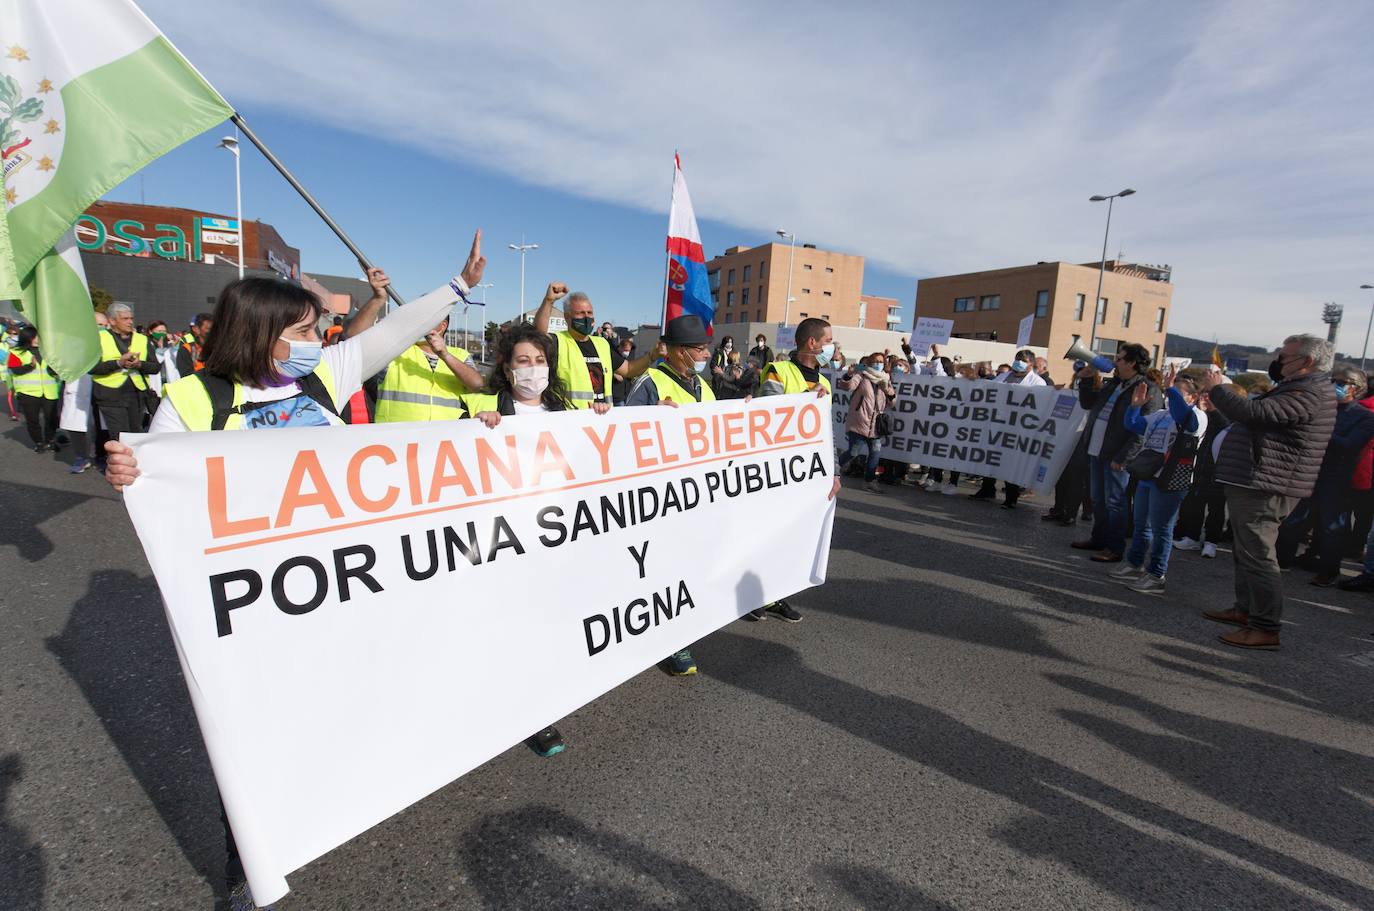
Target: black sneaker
{"points": [[756, 615], [784, 611], [1364, 582], [547, 742], [982, 496], [41, 447], [680, 664]]}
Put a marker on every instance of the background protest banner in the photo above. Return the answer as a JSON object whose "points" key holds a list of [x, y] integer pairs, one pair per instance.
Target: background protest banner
{"points": [[1023, 330], [364, 614], [1021, 434], [929, 331]]}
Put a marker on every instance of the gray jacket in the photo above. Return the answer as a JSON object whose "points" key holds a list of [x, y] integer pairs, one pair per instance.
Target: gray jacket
{"points": [[1277, 439], [1119, 444]]}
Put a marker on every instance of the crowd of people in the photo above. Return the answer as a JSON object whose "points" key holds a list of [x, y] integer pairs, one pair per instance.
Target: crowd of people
{"points": [[1166, 461]]}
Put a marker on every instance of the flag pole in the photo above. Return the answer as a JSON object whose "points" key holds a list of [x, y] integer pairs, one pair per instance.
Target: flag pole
{"points": [[667, 254], [319, 210]]}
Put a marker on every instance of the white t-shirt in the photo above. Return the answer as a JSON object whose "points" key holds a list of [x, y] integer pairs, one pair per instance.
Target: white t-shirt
{"points": [[1031, 378], [529, 409]]}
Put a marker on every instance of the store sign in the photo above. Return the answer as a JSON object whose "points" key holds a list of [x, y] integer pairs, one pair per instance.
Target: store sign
{"points": [[134, 238], [219, 224], [220, 237]]}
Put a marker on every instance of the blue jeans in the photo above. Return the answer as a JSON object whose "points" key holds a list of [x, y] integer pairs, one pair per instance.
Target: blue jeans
{"points": [[1108, 491], [1155, 513], [858, 441]]}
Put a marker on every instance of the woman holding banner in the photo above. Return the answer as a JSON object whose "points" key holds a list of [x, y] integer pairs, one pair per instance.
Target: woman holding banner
{"points": [[265, 368]]}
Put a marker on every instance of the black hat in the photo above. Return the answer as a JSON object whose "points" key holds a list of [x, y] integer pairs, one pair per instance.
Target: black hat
{"points": [[686, 330]]}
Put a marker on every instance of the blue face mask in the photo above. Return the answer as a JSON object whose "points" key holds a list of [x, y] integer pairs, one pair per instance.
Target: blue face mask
{"points": [[826, 353], [699, 366], [1019, 366], [303, 359], [1342, 390]]}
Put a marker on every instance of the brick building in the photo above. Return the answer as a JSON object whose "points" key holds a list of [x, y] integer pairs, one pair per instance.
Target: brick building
{"points": [[990, 305], [749, 285]]}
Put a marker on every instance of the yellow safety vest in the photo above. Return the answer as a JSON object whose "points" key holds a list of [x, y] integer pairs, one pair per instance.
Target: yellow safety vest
{"points": [[476, 402], [109, 351], [791, 376], [192, 401], [38, 382], [576, 375], [670, 388], [413, 391]]}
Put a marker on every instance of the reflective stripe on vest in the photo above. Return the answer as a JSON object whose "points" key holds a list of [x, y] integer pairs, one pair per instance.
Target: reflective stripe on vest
{"points": [[670, 388], [791, 376], [192, 402], [413, 391], [37, 383], [109, 351], [576, 375]]}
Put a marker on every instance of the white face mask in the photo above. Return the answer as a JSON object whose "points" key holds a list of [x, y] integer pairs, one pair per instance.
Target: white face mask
{"points": [[530, 382]]}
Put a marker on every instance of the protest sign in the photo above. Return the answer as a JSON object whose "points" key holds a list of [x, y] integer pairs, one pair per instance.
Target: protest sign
{"points": [[364, 614], [929, 331], [785, 340], [1023, 331], [1021, 434]]}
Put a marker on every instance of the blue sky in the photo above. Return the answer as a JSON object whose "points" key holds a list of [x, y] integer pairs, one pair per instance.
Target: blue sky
{"points": [[933, 139]]}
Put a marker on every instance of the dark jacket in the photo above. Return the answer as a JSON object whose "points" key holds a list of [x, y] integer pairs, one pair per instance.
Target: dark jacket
{"points": [[1119, 444], [1205, 467], [1277, 439], [1354, 428]]}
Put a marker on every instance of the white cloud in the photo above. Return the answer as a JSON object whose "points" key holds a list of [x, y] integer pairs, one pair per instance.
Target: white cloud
{"points": [[932, 140]]}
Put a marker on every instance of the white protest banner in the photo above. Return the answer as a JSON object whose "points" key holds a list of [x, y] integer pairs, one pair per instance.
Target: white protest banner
{"points": [[929, 331], [1021, 434], [356, 609], [1023, 331], [785, 340]]}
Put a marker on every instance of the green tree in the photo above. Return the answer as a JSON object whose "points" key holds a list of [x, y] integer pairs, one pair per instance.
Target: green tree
{"points": [[100, 298]]}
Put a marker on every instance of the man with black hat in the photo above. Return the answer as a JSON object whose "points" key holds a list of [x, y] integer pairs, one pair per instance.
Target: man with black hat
{"points": [[677, 380], [674, 382]]}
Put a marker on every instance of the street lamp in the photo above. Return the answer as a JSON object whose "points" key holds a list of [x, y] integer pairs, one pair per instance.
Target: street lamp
{"points": [[522, 248], [791, 257], [466, 339], [1097, 301], [231, 144], [1365, 350]]}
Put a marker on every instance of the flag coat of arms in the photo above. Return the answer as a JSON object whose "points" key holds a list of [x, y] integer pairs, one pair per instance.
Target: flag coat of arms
{"points": [[90, 92], [688, 290]]}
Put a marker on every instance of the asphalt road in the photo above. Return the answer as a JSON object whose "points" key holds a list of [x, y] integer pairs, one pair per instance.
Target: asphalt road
{"points": [[969, 717]]}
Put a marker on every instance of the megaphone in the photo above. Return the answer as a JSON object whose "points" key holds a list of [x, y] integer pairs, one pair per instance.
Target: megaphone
{"points": [[1081, 352]]}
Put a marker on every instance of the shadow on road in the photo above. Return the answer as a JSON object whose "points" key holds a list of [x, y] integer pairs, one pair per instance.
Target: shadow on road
{"points": [[1303, 787], [876, 889], [117, 648], [540, 857], [26, 507], [21, 859], [1084, 824]]}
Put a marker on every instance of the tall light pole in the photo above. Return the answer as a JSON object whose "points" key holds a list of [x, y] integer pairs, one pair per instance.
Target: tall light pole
{"points": [[231, 144], [466, 340], [1102, 270], [1364, 351], [791, 257], [522, 248]]}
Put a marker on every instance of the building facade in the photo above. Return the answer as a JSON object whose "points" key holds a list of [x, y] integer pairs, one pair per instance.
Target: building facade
{"points": [[750, 284], [1134, 306]]}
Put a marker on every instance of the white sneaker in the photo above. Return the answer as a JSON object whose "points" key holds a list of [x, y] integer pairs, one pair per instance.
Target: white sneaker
{"points": [[1148, 584], [1126, 572], [928, 484], [1187, 544], [1209, 550], [949, 489]]}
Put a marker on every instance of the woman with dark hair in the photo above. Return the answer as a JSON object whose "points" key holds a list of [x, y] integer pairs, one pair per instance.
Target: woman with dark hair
{"points": [[35, 389], [265, 368], [521, 382]]}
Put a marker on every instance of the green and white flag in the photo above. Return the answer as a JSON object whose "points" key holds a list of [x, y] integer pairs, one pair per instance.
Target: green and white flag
{"points": [[90, 92]]}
